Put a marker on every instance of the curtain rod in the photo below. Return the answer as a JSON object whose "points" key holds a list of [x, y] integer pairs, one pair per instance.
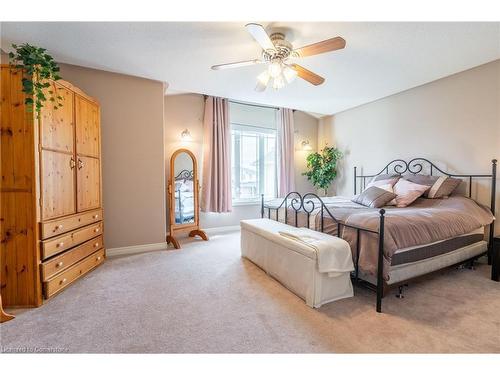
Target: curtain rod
{"points": [[251, 104], [255, 105]]}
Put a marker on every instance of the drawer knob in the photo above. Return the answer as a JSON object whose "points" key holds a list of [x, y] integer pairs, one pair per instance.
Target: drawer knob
{"points": [[96, 216], [58, 227], [62, 281], [60, 244], [96, 230], [96, 244], [98, 258], [59, 264]]}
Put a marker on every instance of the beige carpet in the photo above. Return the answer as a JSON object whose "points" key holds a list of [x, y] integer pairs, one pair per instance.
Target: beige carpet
{"points": [[206, 298]]}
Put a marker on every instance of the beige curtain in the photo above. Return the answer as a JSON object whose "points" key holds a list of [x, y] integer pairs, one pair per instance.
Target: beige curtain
{"points": [[216, 180], [286, 181]]}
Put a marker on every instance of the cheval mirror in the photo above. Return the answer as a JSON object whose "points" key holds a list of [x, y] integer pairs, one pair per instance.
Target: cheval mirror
{"points": [[183, 189]]}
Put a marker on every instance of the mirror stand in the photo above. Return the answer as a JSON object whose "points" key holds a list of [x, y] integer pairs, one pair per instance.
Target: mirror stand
{"points": [[195, 232], [183, 190], [171, 240]]}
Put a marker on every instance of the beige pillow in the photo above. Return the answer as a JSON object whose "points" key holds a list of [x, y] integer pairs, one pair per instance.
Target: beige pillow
{"points": [[386, 176], [443, 187], [378, 183], [374, 197], [439, 186], [388, 187], [407, 192]]}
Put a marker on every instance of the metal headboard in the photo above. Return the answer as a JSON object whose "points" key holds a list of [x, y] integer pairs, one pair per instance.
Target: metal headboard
{"points": [[416, 166], [184, 175]]}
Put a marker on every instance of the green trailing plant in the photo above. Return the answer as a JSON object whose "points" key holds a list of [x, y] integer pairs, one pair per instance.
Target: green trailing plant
{"points": [[322, 167], [38, 67]]}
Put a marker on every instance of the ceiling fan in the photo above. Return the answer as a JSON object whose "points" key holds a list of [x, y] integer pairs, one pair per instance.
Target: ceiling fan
{"points": [[277, 53]]}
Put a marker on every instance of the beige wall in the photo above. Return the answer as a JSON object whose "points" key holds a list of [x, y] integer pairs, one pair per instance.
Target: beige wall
{"points": [[453, 121], [186, 111], [132, 154], [306, 128]]}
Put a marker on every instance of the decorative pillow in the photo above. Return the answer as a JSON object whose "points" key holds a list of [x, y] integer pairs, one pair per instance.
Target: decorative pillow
{"points": [[188, 185], [421, 179], [388, 187], [407, 192], [178, 184], [443, 187], [378, 183], [374, 197], [439, 186], [385, 176]]}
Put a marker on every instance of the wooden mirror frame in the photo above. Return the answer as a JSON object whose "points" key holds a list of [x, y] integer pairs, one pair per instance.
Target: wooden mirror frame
{"points": [[193, 228]]}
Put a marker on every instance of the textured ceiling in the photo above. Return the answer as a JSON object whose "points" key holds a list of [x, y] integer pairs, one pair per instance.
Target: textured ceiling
{"points": [[380, 59]]}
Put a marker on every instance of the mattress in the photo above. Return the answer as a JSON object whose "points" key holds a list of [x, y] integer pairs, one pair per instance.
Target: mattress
{"points": [[416, 253], [408, 271], [426, 229]]}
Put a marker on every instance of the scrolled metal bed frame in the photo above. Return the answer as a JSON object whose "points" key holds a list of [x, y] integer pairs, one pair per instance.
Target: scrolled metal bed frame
{"points": [[185, 174], [307, 204]]}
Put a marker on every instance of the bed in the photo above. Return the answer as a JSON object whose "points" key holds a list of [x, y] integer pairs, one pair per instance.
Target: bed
{"points": [[184, 197], [391, 246]]}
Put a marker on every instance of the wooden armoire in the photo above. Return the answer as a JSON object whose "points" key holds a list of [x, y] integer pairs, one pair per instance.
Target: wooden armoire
{"points": [[51, 212]]}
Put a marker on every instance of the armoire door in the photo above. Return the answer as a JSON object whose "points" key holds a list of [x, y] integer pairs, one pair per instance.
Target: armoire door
{"points": [[57, 130], [87, 127], [88, 176], [57, 184], [57, 138], [89, 183]]}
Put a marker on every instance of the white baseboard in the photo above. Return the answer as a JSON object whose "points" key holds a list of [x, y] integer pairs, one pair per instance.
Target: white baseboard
{"points": [[218, 230], [137, 249]]}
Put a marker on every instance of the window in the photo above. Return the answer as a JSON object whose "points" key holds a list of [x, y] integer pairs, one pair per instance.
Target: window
{"points": [[253, 157]]}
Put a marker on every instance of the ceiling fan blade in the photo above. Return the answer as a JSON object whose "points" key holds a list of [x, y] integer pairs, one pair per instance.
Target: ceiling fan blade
{"points": [[309, 76], [237, 64], [321, 47], [259, 34]]}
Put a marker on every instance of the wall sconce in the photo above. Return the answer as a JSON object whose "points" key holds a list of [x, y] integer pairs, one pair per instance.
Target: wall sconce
{"points": [[186, 135], [306, 146]]}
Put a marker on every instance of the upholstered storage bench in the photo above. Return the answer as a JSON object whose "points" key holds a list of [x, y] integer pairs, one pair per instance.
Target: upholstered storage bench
{"points": [[292, 263]]}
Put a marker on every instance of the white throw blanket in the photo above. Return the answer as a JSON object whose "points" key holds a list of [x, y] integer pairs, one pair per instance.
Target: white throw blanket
{"points": [[333, 253]]}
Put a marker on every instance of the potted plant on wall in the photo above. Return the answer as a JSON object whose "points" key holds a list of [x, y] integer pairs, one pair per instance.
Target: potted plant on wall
{"points": [[38, 68], [322, 167]]}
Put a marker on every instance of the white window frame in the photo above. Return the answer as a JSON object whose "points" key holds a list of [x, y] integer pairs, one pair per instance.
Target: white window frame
{"points": [[261, 160]]}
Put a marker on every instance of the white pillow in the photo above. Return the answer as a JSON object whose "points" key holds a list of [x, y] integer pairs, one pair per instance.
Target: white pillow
{"points": [[379, 183], [390, 188], [407, 192], [387, 187]]}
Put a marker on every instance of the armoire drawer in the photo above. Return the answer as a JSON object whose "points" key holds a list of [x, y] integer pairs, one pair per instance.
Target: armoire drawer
{"points": [[70, 257], [63, 225], [63, 279], [66, 241]]}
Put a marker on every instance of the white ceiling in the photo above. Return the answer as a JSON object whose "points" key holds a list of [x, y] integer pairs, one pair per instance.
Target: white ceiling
{"points": [[380, 59]]}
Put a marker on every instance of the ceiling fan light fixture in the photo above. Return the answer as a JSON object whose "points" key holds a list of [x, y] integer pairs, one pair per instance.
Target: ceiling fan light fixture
{"points": [[275, 68], [259, 87], [264, 77], [289, 73], [278, 82]]}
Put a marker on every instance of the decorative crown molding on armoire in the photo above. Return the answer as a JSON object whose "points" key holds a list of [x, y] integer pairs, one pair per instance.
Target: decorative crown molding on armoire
{"points": [[51, 192]]}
